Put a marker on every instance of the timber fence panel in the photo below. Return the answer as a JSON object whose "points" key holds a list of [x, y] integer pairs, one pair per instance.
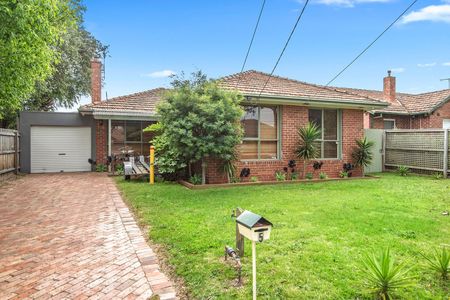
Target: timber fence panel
{"points": [[9, 150]]}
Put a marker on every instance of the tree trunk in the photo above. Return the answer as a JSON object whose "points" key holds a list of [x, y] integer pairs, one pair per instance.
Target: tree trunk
{"points": [[203, 171], [304, 169]]}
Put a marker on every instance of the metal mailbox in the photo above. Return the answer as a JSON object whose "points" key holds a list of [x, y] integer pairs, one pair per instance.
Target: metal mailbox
{"points": [[253, 226]]}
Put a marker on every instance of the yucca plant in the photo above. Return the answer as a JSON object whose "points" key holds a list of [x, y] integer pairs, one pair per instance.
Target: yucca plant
{"points": [[307, 147], [384, 276], [439, 261], [362, 155]]}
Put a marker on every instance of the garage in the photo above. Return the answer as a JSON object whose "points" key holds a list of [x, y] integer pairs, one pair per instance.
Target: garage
{"points": [[60, 149], [56, 142]]}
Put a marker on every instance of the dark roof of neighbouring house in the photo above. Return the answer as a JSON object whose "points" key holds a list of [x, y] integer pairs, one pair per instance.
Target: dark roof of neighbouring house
{"points": [[250, 83], [408, 104]]}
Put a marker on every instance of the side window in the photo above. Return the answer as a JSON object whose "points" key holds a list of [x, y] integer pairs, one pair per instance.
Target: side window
{"points": [[389, 124]]}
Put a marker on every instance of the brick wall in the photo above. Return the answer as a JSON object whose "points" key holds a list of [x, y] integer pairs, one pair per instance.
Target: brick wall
{"points": [[294, 117], [436, 118], [96, 81], [101, 141], [401, 122], [432, 121]]}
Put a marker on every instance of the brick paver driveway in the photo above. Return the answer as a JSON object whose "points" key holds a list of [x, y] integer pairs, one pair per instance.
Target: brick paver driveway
{"points": [[71, 236]]}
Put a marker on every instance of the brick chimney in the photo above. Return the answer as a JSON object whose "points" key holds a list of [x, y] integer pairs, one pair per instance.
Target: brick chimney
{"points": [[389, 88], [96, 80]]}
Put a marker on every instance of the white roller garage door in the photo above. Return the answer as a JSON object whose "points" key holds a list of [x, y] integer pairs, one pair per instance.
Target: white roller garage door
{"points": [[60, 149]]}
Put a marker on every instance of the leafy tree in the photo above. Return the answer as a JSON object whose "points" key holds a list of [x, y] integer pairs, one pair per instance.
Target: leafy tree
{"points": [[167, 158], [199, 120], [71, 77], [307, 147], [30, 31], [362, 155]]}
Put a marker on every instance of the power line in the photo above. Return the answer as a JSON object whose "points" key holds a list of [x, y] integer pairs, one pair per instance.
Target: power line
{"points": [[285, 46], [371, 44], [253, 36]]}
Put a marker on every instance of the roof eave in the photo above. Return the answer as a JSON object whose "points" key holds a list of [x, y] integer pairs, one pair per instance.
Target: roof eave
{"points": [[437, 106], [391, 112], [307, 101], [102, 114]]}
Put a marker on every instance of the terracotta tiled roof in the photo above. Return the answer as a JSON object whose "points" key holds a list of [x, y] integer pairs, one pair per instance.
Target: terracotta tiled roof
{"points": [[395, 107], [407, 103], [426, 102], [251, 82], [144, 102]]}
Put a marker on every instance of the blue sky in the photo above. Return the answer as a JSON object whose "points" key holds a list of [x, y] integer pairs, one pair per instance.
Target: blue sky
{"points": [[149, 39]]}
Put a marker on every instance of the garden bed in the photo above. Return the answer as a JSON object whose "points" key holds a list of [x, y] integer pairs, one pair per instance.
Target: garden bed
{"points": [[247, 183]]}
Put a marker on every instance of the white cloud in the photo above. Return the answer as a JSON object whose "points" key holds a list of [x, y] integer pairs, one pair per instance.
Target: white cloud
{"points": [[349, 3], [398, 70], [427, 65], [160, 74], [447, 64], [433, 13]]}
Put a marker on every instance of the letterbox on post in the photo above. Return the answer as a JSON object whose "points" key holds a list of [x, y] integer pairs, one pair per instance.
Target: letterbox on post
{"points": [[253, 226], [257, 229]]}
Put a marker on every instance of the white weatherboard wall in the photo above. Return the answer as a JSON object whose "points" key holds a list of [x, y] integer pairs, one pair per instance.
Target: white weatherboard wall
{"points": [[60, 149]]}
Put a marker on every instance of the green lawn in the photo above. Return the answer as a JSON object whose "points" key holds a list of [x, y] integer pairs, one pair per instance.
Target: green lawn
{"points": [[320, 233]]}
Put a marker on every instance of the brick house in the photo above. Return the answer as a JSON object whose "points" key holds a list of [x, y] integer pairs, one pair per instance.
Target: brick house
{"points": [[270, 122], [406, 111], [63, 142]]}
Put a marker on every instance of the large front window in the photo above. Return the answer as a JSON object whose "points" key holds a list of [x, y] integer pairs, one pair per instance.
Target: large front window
{"points": [[261, 136], [328, 121], [128, 136]]}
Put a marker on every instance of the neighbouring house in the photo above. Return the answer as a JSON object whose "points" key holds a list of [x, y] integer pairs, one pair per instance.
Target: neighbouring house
{"points": [[406, 111], [54, 142]]}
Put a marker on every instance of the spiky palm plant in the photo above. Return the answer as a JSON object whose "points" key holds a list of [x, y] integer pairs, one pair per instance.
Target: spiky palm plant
{"points": [[439, 262], [362, 155], [384, 276], [307, 148]]}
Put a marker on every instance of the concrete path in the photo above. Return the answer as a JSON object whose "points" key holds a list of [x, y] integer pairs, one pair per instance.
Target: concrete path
{"points": [[70, 236]]}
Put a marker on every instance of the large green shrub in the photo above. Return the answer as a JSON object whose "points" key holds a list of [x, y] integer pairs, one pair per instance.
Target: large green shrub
{"points": [[198, 120]]}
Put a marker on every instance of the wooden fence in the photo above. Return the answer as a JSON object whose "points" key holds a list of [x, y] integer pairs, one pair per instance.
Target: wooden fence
{"points": [[9, 151], [425, 149]]}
